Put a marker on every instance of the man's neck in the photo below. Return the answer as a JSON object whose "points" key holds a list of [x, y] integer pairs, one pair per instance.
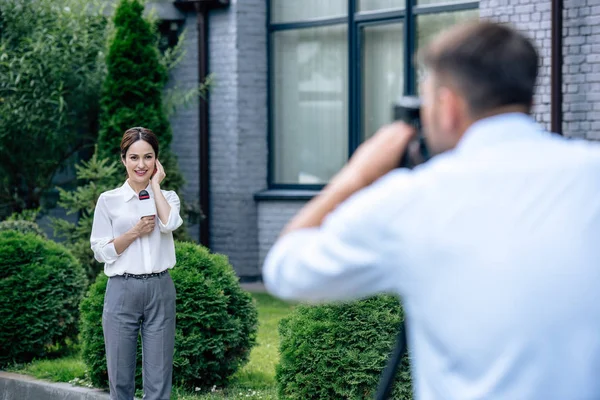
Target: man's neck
{"points": [[492, 113], [500, 110]]}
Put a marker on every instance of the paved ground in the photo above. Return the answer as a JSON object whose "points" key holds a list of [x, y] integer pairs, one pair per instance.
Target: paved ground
{"points": [[254, 287], [22, 387]]}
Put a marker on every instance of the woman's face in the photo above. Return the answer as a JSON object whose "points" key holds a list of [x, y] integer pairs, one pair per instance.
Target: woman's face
{"points": [[140, 162]]}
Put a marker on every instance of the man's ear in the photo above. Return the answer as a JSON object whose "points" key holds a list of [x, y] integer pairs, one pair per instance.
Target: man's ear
{"points": [[452, 109]]}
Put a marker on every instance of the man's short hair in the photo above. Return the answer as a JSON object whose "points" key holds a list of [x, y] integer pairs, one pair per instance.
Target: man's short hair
{"points": [[490, 64]]}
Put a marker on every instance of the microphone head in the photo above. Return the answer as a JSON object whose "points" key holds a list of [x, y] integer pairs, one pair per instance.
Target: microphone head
{"points": [[146, 208]]}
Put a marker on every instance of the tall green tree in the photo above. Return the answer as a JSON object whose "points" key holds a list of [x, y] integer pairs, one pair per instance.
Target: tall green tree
{"points": [[132, 94], [51, 71]]}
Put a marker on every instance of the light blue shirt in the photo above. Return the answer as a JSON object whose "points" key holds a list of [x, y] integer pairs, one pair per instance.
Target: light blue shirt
{"points": [[494, 247]]}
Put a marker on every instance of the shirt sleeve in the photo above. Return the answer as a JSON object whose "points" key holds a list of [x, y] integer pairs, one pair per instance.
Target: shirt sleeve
{"points": [[174, 220], [102, 235], [351, 255]]}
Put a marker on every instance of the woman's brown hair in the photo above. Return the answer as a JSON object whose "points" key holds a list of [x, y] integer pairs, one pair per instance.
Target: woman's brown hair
{"points": [[132, 135]]}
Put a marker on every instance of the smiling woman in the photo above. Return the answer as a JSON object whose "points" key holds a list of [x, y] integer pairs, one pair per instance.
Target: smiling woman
{"points": [[139, 152], [136, 241]]}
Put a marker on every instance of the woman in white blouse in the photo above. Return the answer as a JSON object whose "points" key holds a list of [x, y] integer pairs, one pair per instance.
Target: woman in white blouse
{"points": [[133, 236]]}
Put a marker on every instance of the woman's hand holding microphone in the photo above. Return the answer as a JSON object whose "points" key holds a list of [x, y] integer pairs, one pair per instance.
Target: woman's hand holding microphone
{"points": [[144, 226]]}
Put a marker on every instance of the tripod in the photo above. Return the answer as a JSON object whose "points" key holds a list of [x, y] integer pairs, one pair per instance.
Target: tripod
{"points": [[387, 377]]}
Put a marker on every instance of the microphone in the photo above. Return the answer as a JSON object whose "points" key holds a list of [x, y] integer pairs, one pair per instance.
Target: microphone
{"points": [[146, 206]]}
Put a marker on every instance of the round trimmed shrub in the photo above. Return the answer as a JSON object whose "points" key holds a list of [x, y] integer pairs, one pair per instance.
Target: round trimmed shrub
{"points": [[22, 226], [41, 285], [338, 351], [90, 326], [216, 326]]}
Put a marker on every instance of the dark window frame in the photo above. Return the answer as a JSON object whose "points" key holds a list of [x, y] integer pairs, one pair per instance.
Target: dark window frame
{"points": [[355, 20]]}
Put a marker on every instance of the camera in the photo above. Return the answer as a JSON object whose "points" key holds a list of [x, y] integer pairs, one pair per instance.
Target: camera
{"points": [[408, 110]]}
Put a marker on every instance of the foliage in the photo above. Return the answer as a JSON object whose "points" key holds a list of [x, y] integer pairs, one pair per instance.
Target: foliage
{"points": [[56, 370], [97, 176], [338, 351], [22, 226], [51, 69], [41, 285], [216, 322], [92, 339], [25, 215]]}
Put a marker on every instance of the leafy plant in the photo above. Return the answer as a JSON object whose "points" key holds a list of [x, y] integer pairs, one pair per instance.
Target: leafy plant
{"points": [[338, 351], [41, 285], [22, 226], [30, 215], [51, 70], [97, 176]]}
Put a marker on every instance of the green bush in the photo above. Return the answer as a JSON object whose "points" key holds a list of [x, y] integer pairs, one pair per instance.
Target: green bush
{"points": [[41, 285], [90, 326], [216, 322], [22, 226], [338, 351]]}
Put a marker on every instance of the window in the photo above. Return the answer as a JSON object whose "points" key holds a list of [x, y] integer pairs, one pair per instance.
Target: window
{"points": [[335, 69]]}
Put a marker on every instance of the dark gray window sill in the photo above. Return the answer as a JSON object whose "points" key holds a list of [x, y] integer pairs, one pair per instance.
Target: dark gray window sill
{"points": [[285, 195]]}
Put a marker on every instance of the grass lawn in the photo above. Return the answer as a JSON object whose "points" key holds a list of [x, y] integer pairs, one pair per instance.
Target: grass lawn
{"points": [[255, 381]]}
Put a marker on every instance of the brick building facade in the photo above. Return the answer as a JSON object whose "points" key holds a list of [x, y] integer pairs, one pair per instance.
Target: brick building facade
{"points": [[248, 204]]}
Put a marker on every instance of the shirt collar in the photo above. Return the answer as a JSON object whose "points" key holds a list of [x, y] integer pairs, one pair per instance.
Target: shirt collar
{"points": [[498, 129], [128, 193]]}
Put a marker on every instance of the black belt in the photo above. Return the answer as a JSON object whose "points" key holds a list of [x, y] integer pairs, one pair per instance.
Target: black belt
{"points": [[144, 276]]}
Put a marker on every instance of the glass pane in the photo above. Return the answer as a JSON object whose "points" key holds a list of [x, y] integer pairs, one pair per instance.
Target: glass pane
{"points": [[429, 25], [372, 5], [309, 104], [382, 74], [300, 10]]}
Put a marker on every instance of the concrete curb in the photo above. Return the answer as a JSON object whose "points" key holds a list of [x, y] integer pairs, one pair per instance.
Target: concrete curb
{"points": [[254, 287], [23, 387]]}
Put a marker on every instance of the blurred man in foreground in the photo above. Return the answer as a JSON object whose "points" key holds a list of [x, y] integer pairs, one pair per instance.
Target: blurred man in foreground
{"points": [[493, 244]]}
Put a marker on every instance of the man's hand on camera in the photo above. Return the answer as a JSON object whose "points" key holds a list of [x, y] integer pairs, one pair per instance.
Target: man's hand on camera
{"points": [[374, 158], [379, 155]]}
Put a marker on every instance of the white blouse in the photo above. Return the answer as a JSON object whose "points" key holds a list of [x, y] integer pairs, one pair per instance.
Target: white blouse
{"points": [[115, 214]]}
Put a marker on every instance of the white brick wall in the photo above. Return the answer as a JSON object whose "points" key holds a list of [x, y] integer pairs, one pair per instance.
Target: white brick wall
{"points": [[532, 18], [272, 217], [581, 69], [185, 122], [238, 129]]}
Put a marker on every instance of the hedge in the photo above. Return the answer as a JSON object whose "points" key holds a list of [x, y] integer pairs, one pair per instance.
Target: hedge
{"points": [[338, 351], [41, 285]]}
